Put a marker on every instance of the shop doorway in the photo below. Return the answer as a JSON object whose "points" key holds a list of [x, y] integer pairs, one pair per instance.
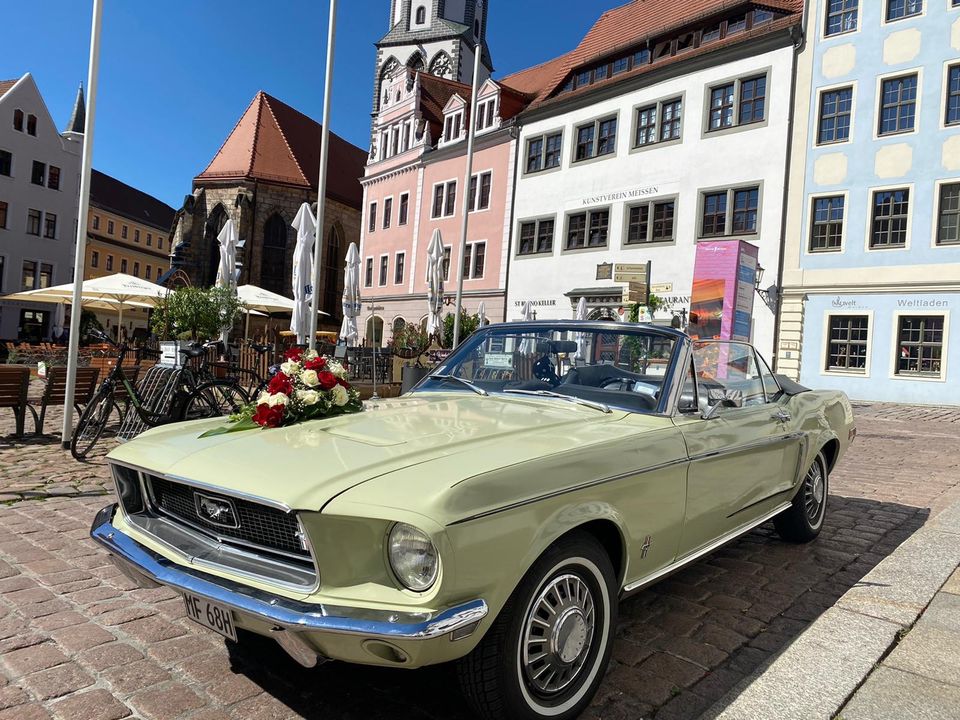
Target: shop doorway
{"points": [[33, 325]]}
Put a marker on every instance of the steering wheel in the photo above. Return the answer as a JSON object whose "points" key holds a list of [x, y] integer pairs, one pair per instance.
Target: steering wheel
{"points": [[543, 370]]}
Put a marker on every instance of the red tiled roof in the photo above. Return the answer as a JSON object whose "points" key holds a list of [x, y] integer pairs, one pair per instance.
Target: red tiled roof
{"points": [[631, 23], [111, 194], [274, 142], [6, 85]]}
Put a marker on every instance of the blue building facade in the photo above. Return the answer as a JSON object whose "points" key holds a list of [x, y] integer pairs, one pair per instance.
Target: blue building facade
{"points": [[871, 274]]}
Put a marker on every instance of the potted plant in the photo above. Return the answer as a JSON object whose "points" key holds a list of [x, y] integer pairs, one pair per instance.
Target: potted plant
{"points": [[409, 342], [468, 325]]}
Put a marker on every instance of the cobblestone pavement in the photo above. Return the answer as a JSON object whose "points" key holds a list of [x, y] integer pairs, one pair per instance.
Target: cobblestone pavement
{"points": [[78, 641]]}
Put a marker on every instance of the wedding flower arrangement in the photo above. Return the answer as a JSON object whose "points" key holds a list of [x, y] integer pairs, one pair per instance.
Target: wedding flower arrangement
{"points": [[308, 386]]}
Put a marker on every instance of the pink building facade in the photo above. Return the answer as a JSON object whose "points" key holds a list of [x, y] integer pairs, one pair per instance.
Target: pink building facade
{"points": [[414, 185]]}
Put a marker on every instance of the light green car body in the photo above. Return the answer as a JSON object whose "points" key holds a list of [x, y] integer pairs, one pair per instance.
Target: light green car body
{"points": [[495, 481]]}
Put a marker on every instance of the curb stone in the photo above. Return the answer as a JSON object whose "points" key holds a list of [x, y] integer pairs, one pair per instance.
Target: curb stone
{"points": [[816, 675]]}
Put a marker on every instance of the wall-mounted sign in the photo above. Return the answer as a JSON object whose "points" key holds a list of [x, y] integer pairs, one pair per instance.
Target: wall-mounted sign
{"points": [[536, 303], [661, 288], [605, 271], [789, 345], [629, 194], [632, 272]]}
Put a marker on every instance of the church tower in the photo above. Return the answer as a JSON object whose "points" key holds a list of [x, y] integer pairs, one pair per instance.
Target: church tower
{"points": [[436, 36]]}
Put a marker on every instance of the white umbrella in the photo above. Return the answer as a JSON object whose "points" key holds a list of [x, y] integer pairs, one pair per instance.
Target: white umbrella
{"points": [[581, 337], [526, 314], [59, 316], [482, 313], [306, 227], [351, 297], [264, 301], [227, 272], [434, 283]]}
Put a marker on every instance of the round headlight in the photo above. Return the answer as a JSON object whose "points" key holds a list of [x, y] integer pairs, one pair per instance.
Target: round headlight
{"points": [[413, 557]]}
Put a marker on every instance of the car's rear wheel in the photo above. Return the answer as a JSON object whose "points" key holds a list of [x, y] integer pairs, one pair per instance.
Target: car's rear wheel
{"points": [[546, 653], [803, 520]]}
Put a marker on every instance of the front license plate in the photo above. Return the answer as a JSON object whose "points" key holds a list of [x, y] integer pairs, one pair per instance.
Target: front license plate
{"points": [[210, 615]]}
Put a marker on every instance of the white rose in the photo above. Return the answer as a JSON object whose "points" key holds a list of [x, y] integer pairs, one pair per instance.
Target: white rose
{"points": [[309, 355], [264, 398], [337, 369], [277, 399], [339, 395], [308, 397], [290, 368], [309, 378]]}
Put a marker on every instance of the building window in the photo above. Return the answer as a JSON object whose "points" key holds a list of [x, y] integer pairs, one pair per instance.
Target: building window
{"points": [[588, 229], [94, 259], [28, 277], [899, 9], [372, 218], [452, 126], [670, 119], [96, 222], [536, 237], [750, 105], [136, 235], [404, 209], [948, 223], [716, 220], [2, 261], [398, 268], [109, 266], [109, 227], [38, 176], [841, 16], [659, 123], [753, 98], [46, 276], [920, 345], [847, 346], [123, 265], [148, 272], [123, 232], [953, 96], [136, 269], [33, 222], [6, 163], [721, 107], [480, 198], [421, 16], [836, 107], [473, 260], [3, 214], [486, 114], [53, 178], [384, 269], [826, 232], [18, 120], [32, 125], [274, 260], [639, 228], [543, 153], [159, 241], [368, 273], [890, 216], [50, 225], [898, 105], [596, 139], [646, 126], [444, 199], [387, 212], [150, 240]]}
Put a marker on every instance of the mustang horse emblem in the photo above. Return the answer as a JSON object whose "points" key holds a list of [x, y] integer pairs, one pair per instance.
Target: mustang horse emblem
{"points": [[216, 510]]}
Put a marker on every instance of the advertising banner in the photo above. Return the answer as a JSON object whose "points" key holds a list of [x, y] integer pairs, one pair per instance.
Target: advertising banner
{"points": [[724, 278]]}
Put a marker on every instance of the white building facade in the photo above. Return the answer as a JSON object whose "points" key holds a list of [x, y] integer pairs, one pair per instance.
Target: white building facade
{"points": [[646, 150], [39, 193]]}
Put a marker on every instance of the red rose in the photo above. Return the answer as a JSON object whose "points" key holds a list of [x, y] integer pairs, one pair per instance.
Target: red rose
{"points": [[294, 354], [343, 383], [280, 383], [318, 364], [269, 417], [326, 380]]}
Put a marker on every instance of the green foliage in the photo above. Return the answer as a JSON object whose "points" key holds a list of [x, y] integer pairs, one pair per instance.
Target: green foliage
{"points": [[196, 313], [468, 325], [88, 323], [410, 336]]}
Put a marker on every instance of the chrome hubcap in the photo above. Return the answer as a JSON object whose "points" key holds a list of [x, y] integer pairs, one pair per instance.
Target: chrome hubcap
{"points": [[813, 492], [558, 633]]}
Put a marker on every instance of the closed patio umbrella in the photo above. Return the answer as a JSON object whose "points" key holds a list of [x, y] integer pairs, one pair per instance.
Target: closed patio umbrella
{"points": [[434, 283], [59, 316], [305, 225], [227, 271], [526, 313], [351, 297], [581, 337], [482, 313]]}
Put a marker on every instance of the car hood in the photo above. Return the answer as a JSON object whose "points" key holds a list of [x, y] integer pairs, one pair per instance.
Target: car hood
{"points": [[307, 465]]}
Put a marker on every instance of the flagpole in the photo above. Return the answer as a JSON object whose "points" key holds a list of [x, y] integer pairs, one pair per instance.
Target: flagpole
{"points": [[322, 181], [73, 347], [471, 134]]}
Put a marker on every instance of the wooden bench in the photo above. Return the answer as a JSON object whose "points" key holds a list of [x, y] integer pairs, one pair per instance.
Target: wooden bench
{"points": [[56, 388], [14, 387]]}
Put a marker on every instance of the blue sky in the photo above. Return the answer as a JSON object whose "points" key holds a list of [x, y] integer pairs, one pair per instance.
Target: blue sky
{"points": [[176, 75]]}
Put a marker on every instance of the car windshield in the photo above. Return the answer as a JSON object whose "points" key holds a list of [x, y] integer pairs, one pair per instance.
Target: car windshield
{"points": [[603, 366]]}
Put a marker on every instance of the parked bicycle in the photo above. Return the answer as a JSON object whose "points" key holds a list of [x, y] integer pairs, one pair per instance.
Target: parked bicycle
{"points": [[196, 394]]}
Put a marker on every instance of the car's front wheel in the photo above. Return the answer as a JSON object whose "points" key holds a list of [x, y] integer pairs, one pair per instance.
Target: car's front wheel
{"points": [[803, 520], [545, 655]]}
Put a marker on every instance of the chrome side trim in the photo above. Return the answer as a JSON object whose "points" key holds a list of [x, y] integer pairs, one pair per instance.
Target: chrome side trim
{"points": [[565, 491], [275, 609], [696, 555], [745, 447]]}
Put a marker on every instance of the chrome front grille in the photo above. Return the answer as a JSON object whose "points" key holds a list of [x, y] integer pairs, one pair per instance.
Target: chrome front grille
{"points": [[243, 522]]}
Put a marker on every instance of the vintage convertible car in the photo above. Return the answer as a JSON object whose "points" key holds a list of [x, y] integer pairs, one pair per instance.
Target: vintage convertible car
{"points": [[495, 516]]}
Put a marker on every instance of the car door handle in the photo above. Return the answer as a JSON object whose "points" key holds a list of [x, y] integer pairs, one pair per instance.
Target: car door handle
{"points": [[781, 416]]}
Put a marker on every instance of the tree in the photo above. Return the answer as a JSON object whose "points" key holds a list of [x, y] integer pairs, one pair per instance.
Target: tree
{"points": [[468, 324], [193, 313]]}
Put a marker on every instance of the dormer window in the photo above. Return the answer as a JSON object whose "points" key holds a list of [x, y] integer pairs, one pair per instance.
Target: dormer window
{"points": [[486, 114], [421, 15], [452, 126], [18, 120]]}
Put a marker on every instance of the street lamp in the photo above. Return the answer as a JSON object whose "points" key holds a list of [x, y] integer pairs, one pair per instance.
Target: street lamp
{"points": [[768, 295]]}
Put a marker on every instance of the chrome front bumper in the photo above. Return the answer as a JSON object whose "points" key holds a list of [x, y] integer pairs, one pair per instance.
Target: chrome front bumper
{"points": [[150, 569]]}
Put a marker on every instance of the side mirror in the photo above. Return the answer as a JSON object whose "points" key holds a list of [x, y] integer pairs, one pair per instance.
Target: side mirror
{"points": [[722, 399]]}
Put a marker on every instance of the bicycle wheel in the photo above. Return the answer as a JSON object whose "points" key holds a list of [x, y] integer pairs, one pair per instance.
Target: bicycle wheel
{"points": [[214, 399], [93, 420]]}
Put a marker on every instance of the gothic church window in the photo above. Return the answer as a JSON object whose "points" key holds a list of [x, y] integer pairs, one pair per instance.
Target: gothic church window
{"points": [[421, 16], [441, 65], [273, 262]]}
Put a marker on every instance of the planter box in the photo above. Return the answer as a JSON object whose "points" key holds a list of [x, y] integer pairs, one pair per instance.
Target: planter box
{"points": [[410, 376]]}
